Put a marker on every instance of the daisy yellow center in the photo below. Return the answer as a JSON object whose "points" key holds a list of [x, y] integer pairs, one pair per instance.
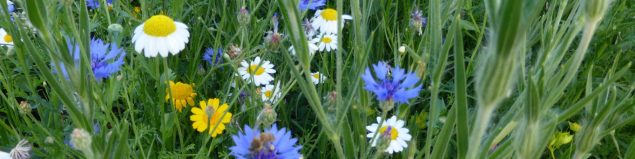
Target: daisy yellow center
{"points": [[254, 69], [393, 132], [329, 14], [327, 39], [316, 76], [268, 93], [181, 91], [8, 38], [159, 25]]}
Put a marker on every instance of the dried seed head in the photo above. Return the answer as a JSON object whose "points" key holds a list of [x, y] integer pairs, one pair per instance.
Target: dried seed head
{"points": [[234, 51], [21, 151]]}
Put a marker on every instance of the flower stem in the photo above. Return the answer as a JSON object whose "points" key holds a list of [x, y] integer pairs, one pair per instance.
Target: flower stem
{"points": [[480, 125]]}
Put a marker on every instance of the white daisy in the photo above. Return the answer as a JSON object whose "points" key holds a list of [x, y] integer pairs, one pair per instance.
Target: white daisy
{"points": [[326, 42], [317, 78], [4, 155], [326, 20], [393, 130], [160, 35], [259, 70], [6, 38], [312, 49], [271, 93]]}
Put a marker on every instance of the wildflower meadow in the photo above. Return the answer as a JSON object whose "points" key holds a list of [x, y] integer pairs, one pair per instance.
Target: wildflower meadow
{"points": [[304, 79]]}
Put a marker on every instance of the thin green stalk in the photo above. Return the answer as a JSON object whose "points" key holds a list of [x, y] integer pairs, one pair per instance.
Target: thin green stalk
{"points": [[483, 117], [435, 48]]}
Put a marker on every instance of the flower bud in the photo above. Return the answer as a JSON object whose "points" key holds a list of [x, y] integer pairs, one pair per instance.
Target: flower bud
{"points": [[402, 49], [49, 140], [115, 28], [243, 17], [267, 116], [273, 39], [575, 127], [25, 107], [81, 139]]}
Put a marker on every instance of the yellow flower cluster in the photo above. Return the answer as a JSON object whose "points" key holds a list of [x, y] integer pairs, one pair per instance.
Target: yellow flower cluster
{"points": [[211, 115]]}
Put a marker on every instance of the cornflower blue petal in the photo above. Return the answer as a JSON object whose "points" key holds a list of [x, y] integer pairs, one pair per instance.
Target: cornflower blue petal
{"points": [[405, 94], [311, 4], [381, 70], [369, 80], [397, 75], [11, 8], [210, 54], [92, 4], [411, 80]]}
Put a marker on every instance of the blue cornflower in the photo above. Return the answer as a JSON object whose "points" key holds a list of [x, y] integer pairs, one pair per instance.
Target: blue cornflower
{"points": [[311, 4], [273, 143], [217, 55], [10, 6], [400, 87], [418, 21], [92, 4], [106, 59]]}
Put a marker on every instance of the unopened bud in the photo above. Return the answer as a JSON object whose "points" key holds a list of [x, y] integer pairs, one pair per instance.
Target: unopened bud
{"points": [[243, 17], [81, 139], [200, 71], [273, 39], [267, 116], [25, 107], [402, 49], [115, 28], [137, 9], [575, 127], [49, 140]]}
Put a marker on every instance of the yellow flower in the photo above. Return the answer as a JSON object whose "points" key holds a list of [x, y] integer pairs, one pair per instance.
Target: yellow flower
{"points": [[560, 138], [210, 115], [575, 127], [182, 95]]}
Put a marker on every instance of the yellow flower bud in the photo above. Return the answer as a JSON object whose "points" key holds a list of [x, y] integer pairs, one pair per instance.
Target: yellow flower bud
{"points": [[575, 127]]}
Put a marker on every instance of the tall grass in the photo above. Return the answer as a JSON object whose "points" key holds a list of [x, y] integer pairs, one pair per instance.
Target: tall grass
{"points": [[501, 78]]}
